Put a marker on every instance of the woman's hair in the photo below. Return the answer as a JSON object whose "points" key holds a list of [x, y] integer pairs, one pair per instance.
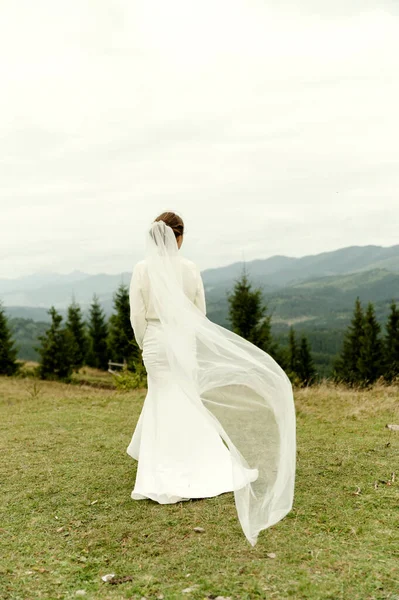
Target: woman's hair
{"points": [[174, 221]]}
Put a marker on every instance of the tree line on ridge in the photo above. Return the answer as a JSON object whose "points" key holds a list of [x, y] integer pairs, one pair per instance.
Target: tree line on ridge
{"points": [[366, 356]]}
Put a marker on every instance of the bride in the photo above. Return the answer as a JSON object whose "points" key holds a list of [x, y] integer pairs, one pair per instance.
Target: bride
{"points": [[219, 413]]}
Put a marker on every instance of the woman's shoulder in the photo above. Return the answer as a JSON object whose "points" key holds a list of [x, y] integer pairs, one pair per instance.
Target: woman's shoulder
{"points": [[191, 266], [188, 262], [138, 269], [141, 266]]}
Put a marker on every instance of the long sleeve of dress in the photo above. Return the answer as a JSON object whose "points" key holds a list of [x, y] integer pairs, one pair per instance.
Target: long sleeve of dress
{"points": [[200, 294], [137, 307]]}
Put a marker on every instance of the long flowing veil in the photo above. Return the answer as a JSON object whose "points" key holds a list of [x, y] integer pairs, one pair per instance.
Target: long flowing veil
{"points": [[239, 388]]}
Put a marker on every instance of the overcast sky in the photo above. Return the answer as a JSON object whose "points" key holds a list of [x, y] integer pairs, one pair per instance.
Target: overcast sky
{"points": [[271, 131]]}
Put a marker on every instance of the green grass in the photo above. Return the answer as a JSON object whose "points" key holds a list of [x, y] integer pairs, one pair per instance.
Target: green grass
{"points": [[66, 516]]}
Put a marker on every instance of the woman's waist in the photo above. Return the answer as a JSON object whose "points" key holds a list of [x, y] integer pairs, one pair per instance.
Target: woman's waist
{"points": [[153, 334], [153, 322]]}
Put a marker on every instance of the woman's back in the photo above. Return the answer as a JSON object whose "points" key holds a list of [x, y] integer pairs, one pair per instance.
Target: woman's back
{"points": [[141, 305]]}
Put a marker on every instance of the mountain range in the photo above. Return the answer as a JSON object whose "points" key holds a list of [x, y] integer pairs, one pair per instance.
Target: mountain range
{"points": [[318, 288], [315, 294]]}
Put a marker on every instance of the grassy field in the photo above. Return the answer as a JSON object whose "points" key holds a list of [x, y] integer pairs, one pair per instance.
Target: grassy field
{"points": [[67, 519]]}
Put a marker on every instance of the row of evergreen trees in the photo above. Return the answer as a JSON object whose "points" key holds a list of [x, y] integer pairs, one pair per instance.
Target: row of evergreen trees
{"points": [[367, 353], [66, 348], [249, 318]]}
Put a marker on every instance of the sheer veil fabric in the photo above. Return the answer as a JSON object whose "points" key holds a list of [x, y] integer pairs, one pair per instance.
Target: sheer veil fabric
{"points": [[242, 392]]}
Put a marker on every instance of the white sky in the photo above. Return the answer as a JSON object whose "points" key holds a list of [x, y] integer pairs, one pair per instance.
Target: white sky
{"points": [[271, 131]]}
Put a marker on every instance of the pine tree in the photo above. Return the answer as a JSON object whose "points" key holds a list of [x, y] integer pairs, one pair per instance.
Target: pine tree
{"points": [[370, 363], [76, 328], [248, 315], [346, 368], [97, 355], [121, 342], [8, 353], [293, 354], [391, 358], [306, 370], [56, 351]]}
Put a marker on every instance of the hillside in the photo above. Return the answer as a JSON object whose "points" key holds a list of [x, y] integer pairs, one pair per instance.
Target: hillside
{"points": [[280, 271], [275, 273], [315, 294], [323, 301], [59, 293], [330, 298]]}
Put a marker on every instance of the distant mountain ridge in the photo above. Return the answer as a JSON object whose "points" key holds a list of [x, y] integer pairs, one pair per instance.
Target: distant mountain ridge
{"points": [[36, 280], [315, 294], [283, 270], [291, 285]]}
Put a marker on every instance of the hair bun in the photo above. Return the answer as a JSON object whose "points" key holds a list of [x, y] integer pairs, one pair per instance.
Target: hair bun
{"points": [[173, 221]]}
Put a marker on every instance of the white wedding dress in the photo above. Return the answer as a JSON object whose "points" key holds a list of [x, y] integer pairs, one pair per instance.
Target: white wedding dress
{"points": [[180, 454], [219, 413]]}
